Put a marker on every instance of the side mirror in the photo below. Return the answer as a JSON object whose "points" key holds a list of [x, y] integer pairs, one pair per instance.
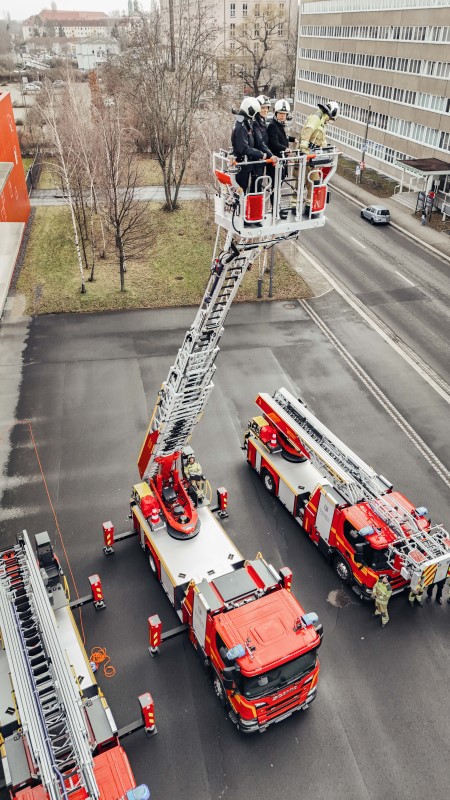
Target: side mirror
{"points": [[319, 630], [229, 674], [358, 557]]}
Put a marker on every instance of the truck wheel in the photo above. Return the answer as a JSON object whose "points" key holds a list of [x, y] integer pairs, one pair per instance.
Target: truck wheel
{"points": [[268, 481], [152, 563], [342, 570], [219, 690]]}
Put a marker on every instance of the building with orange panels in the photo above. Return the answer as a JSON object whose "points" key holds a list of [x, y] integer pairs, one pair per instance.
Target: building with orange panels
{"points": [[14, 202]]}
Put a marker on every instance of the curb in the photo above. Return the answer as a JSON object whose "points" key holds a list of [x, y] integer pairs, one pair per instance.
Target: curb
{"points": [[398, 227]]}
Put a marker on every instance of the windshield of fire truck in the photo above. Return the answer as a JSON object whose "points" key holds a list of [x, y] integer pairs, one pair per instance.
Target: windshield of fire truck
{"points": [[376, 559], [278, 678]]}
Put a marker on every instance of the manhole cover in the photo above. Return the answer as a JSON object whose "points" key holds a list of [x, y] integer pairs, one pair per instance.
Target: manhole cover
{"points": [[290, 305], [339, 599]]}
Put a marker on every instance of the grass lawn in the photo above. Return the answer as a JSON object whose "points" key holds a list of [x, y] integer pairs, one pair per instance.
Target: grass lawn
{"points": [[151, 174], [173, 271], [27, 162]]}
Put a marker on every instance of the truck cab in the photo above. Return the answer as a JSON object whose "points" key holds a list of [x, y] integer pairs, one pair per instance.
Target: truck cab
{"points": [[259, 643]]}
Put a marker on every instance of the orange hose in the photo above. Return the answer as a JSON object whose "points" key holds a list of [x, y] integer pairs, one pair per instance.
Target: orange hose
{"points": [[98, 656]]}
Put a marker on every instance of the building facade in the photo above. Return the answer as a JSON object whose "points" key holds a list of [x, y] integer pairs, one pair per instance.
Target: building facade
{"points": [[14, 202], [92, 52], [73, 24], [387, 64]]}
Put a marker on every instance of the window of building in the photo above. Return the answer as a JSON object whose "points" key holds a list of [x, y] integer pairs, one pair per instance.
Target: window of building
{"points": [[244, 9], [232, 9], [232, 30], [256, 9], [280, 29]]}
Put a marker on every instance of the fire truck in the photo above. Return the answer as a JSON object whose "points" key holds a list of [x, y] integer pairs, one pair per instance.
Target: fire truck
{"points": [[353, 515], [58, 738], [251, 633]]}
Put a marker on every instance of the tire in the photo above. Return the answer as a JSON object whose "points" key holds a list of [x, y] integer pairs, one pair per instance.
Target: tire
{"points": [[342, 570], [371, 221], [362, 215], [152, 563], [219, 690], [268, 482]]}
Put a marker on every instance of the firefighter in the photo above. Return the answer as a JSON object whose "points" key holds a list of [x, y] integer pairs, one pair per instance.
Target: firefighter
{"points": [[314, 135], [416, 594], [279, 141], [243, 142], [382, 592], [439, 589], [194, 474], [260, 130]]}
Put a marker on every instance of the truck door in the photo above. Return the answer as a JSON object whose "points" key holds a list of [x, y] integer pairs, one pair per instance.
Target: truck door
{"points": [[325, 514], [199, 617]]}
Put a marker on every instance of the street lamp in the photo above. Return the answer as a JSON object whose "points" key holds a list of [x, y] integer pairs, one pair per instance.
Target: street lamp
{"points": [[364, 145]]}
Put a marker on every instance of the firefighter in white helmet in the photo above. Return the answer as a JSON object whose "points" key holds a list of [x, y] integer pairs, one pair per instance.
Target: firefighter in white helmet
{"points": [[314, 135], [243, 142], [279, 141]]}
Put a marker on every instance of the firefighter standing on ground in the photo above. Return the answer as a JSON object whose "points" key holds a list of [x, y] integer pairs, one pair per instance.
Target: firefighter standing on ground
{"points": [[416, 594], [243, 142], [382, 592], [313, 136]]}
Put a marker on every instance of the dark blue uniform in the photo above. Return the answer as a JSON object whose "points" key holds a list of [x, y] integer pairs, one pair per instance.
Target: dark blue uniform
{"points": [[243, 142]]}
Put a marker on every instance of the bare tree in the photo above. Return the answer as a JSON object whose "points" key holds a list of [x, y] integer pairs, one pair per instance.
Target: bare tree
{"points": [[51, 111], [118, 178], [173, 61], [258, 57]]}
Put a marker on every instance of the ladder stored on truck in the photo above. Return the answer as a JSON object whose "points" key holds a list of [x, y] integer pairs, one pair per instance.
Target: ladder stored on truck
{"points": [[419, 550], [46, 694], [184, 394]]}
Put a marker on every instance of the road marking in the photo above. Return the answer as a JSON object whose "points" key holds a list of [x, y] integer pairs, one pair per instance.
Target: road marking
{"points": [[405, 279], [361, 245], [429, 375], [384, 401]]}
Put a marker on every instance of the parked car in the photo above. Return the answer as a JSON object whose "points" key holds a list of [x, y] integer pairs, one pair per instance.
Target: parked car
{"points": [[58, 84], [377, 215], [31, 88]]}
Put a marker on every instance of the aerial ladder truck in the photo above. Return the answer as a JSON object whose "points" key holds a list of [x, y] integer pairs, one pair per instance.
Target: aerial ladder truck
{"points": [[58, 738], [353, 515], [252, 634]]}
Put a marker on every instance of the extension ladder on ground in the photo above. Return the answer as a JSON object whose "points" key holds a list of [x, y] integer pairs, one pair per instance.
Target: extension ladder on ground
{"points": [[47, 696]]}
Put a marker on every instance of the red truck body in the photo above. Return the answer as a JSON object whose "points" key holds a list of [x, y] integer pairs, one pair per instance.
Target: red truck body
{"points": [[256, 640]]}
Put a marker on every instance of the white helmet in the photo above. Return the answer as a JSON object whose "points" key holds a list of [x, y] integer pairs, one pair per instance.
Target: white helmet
{"points": [[263, 100], [250, 106], [331, 108], [282, 105]]}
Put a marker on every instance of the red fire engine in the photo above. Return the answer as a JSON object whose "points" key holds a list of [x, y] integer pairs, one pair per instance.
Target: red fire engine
{"points": [[57, 735], [363, 527], [256, 640]]}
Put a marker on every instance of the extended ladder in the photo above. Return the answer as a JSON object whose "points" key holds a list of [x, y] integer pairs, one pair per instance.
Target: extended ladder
{"points": [[47, 696], [356, 481]]}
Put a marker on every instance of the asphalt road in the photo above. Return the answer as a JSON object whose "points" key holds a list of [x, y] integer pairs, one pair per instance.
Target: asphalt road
{"points": [[381, 723], [403, 284]]}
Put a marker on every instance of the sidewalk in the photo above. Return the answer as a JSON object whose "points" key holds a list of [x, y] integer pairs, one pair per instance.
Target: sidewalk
{"points": [[401, 217]]}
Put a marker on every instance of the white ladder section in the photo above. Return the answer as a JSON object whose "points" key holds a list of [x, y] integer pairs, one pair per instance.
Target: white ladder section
{"points": [[184, 394], [353, 478], [47, 696]]}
